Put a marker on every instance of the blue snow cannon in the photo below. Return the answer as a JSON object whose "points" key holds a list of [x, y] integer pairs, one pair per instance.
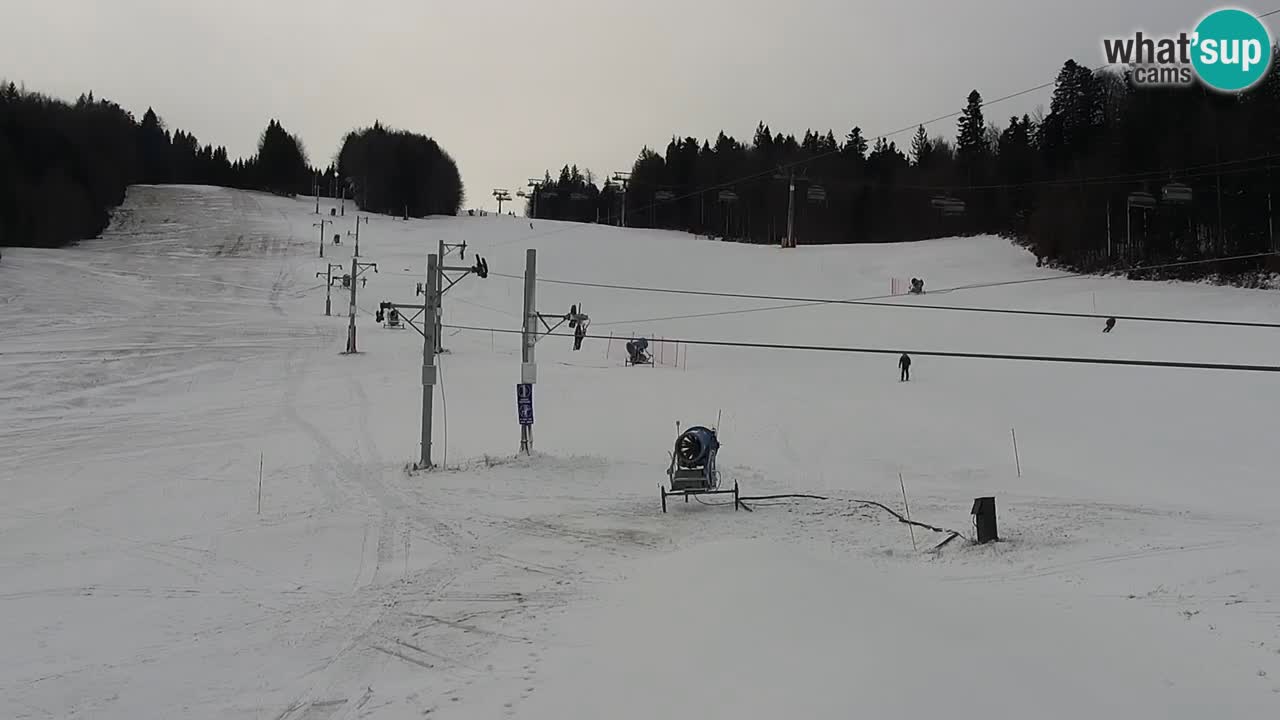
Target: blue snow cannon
{"points": [[693, 466], [693, 462]]}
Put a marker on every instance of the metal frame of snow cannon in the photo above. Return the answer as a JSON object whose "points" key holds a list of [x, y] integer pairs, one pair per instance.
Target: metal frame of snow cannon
{"points": [[693, 468]]}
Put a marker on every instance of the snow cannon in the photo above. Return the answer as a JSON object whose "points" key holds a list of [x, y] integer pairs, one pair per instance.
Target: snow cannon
{"points": [[636, 354], [693, 466], [696, 448]]}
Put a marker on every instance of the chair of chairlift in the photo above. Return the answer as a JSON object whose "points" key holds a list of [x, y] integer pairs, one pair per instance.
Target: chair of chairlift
{"points": [[1176, 193]]}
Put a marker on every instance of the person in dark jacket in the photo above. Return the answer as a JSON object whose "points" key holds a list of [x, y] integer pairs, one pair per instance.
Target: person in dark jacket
{"points": [[904, 364], [1111, 322]]}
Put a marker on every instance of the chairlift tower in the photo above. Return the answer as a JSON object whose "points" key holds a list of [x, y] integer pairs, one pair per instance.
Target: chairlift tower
{"points": [[357, 269], [730, 199], [356, 233], [320, 224], [623, 178], [480, 268], [428, 313], [328, 280], [501, 195], [535, 185], [530, 334], [1144, 201], [790, 240]]}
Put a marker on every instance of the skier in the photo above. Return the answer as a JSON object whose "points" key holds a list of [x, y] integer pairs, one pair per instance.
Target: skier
{"points": [[1111, 322], [904, 363]]}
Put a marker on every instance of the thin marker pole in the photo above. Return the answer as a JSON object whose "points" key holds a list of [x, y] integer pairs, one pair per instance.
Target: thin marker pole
{"points": [[1017, 462], [261, 458], [908, 509]]}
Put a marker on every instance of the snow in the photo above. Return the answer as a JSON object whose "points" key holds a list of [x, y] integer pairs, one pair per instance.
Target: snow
{"points": [[811, 635], [145, 374]]}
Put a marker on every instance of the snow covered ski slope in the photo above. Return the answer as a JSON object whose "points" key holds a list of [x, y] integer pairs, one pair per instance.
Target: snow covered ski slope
{"points": [[146, 376]]}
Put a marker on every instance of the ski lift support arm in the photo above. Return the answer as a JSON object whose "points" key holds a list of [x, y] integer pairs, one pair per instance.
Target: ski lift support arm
{"points": [[481, 268], [405, 306], [543, 317]]}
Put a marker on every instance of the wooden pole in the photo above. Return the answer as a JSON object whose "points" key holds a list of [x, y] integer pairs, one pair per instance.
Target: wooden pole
{"points": [[1017, 462], [908, 509], [261, 458]]}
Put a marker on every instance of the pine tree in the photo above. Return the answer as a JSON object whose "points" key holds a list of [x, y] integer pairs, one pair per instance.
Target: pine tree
{"points": [[154, 149], [763, 140], [855, 145], [971, 139], [921, 149]]}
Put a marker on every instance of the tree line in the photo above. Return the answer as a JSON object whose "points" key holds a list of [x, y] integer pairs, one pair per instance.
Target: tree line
{"points": [[65, 166], [1113, 175]]}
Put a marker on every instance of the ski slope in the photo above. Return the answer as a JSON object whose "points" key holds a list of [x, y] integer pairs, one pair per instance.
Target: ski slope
{"points": [[147, 375]]}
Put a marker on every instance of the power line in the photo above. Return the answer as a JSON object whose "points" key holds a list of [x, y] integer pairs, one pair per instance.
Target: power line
{"points": [[926, 353], [829, 153], [1190, 172], [1213, 169], [872, 301], [787, 166]]}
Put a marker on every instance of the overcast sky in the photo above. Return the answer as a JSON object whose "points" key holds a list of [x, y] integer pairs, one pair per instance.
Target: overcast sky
{"points": [[515, 87]]}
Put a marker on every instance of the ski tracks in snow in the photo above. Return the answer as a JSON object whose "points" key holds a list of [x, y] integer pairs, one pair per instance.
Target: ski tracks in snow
{"points": [[319, 477], [381, 583], [1061, 568], [493, 588]]}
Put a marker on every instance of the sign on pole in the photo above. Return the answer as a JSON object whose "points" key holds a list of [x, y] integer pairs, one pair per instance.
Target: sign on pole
{"points": [[524, 403]]}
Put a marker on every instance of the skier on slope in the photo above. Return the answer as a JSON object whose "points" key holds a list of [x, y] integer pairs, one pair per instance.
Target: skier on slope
{"points": [[1111, 322], [904, 364]]}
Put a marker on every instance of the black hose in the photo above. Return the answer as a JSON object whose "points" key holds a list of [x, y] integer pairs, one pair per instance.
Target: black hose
{"points": [[778, 497], [872, 503]]}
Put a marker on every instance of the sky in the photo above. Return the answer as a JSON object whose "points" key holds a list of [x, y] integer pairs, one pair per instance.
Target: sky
{"points": [[512, 89]]}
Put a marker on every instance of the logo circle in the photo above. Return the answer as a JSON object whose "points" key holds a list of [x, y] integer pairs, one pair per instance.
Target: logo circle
{"points": [[1232, 51]]}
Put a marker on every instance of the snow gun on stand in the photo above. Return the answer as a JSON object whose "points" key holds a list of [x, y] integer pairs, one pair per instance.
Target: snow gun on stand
{"points": [[637, 352], [693, 466], [389, 316]]}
